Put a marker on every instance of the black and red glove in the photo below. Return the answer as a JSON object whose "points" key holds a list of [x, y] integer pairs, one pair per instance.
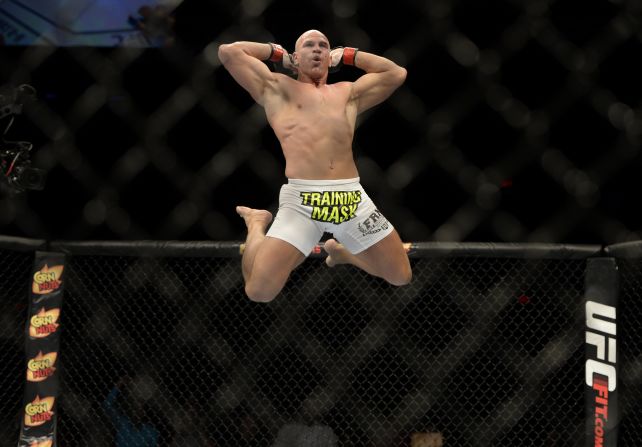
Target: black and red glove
{"points": [[281, 60], [341, 56]]}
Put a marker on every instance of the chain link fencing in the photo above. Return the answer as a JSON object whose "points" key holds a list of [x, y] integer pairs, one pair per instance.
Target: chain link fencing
{"points": [[486, 350], [629, 257], [519, 121], [16, 259]]}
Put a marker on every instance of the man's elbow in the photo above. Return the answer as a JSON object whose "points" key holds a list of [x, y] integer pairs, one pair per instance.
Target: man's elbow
{"points": [[226, 52], [400, 75]]}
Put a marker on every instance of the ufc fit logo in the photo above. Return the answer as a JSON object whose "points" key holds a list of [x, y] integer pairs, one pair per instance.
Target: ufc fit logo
{"points": [[601, 374], [604, 341]]}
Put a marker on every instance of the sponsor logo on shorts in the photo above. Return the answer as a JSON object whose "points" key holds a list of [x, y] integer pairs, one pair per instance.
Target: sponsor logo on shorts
{"points": [[373, 224], [332, 206]]}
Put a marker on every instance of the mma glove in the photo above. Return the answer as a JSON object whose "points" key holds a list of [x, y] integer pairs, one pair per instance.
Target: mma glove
{"points": [[341, 56], [281, 60]]}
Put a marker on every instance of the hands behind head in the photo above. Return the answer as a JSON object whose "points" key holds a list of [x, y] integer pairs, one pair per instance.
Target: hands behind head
{"points": [[341, 56], [289, 64], [282, 61], [336, 59]]}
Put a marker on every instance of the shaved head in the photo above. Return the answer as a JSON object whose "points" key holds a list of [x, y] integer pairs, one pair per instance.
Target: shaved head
{"points": [[309, 33]]}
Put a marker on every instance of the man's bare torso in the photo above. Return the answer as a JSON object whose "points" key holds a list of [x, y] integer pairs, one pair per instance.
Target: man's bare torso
{"points": [[315, 126]]}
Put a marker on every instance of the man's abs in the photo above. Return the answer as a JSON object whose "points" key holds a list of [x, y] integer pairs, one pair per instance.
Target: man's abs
{"points": [[315, 127], [317, 162]]}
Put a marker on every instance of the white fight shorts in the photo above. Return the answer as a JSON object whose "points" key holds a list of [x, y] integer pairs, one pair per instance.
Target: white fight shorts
{"points": [[308, 208]]}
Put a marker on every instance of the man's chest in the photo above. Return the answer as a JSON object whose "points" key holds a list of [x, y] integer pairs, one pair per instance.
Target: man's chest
{"points": [[321, 101], [305, 106]]}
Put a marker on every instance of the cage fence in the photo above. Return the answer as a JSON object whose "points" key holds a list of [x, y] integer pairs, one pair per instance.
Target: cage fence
{"points": [[519, 121], [506, 103], [14, 279], [485, 350], [629, 258]]}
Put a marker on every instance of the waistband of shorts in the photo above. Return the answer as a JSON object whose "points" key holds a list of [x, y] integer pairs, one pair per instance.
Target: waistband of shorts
{"points": [[306, 182]]}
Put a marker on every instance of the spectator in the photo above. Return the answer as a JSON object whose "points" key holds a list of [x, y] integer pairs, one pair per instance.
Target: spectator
{"points": [[128, 415]]}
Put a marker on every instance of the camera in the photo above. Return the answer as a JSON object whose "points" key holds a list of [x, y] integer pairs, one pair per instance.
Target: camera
{"points": [[16, 173]]}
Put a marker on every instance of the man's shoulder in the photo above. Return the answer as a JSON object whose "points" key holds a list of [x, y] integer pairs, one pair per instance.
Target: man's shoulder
{"points": [[279, 83], [342, 84], [286, 79], [343, 88], [283, 81]]}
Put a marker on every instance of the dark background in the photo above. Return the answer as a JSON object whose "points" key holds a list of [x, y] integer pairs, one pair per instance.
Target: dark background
{"points": [[519, 121]]}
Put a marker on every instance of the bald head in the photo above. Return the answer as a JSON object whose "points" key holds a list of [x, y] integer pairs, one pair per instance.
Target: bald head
{"points": [[309, 34]]}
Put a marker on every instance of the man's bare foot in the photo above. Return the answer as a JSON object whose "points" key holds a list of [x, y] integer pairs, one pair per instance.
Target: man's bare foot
{"points": [[254, 217], [337, 254]]}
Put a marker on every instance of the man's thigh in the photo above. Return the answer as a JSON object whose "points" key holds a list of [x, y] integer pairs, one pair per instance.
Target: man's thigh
{"points": [[296, 229], [388, 256], [274, 261]]}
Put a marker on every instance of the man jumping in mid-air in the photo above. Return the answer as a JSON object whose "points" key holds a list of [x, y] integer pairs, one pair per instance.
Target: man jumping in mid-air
{"points": [[314, 122]]}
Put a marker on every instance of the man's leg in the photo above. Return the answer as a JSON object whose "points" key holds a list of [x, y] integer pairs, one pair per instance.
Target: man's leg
{"points": [[256, 222], [386, 259], [267, 262]]}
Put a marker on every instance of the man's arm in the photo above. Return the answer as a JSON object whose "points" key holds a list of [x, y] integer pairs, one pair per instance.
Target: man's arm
{"points": [[381, 79], [244, 62]]}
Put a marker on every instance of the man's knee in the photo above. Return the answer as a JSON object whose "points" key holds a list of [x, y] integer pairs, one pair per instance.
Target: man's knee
{"points": [[400, 277], [259, 292]]}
